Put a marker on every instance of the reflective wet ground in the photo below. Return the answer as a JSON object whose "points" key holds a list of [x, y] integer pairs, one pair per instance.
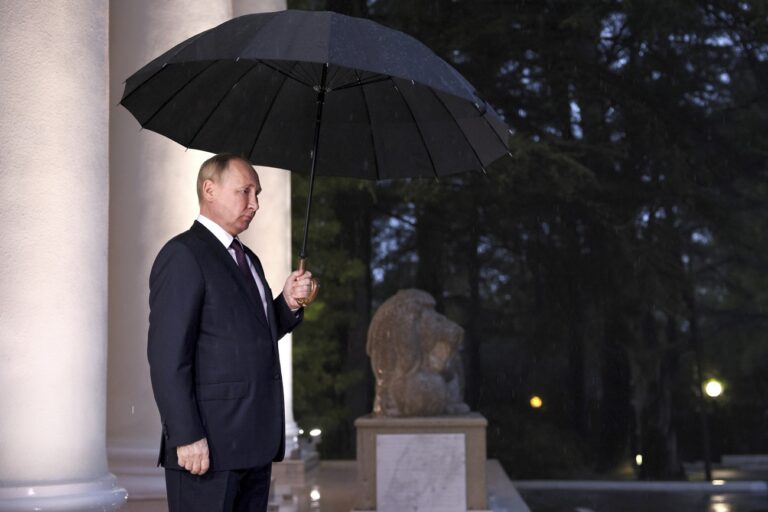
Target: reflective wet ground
{"points": [[334, 487], [629, 501]]}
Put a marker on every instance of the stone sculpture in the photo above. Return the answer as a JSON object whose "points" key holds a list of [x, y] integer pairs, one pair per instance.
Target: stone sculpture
{"points": [[414, 353]]}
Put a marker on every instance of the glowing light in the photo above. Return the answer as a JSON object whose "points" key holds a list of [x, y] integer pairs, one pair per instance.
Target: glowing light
{"points": [[536, 402], [721, 507], [639, 459], [314, 495], [315, 432], [301, 431], [718, 482], [713, 388]]}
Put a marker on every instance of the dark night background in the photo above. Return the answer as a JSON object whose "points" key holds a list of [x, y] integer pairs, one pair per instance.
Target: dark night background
{"points": [[614, 261]]}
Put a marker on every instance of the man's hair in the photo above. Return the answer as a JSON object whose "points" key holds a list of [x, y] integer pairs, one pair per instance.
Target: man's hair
{"points": [[213, 168]]}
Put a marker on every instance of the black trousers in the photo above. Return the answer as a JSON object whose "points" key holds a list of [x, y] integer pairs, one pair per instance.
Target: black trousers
{"points": [[245, 490]]}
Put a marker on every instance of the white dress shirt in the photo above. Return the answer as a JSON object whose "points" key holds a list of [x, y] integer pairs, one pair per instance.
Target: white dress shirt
{"points": [[226, 239]]}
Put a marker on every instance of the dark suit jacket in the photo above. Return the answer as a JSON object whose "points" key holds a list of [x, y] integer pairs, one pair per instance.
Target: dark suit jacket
{"points": [[213, 356]]}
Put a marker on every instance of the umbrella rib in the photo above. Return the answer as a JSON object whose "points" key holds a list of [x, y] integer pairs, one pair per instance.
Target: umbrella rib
{"points": [[153, 75], [370, 124], [299, 71], [344, 76], [418, 129], [360, 83], [165, 64], [266, 115], [474, 151], [218, 104], [503, 143], [275, 68], [336, 70], [490, 126], [176, 93]]}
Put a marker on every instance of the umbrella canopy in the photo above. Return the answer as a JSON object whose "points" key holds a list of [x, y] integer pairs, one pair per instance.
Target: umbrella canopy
{"points": [[258, 86], [321, 92]]}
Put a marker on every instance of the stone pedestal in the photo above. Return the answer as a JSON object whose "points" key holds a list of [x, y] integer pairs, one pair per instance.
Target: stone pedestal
{"points": [[405, 453]]}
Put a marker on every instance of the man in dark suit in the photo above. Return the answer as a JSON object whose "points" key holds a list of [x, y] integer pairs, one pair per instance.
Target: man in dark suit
{"points": [[212, 349]]}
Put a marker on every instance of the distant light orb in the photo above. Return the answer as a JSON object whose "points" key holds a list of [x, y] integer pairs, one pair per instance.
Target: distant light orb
{"points": [[639, 459], [314, 495], [713, 388], [536, 402], [315, 432]]}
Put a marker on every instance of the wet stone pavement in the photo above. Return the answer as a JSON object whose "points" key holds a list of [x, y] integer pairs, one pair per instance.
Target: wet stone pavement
{"points": [[641, 501]]}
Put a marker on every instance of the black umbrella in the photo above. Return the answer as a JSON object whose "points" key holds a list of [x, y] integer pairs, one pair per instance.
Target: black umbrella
{"points": [[278, 87]]}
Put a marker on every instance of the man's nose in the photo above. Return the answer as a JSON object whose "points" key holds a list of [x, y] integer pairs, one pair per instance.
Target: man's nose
{"points": [[253, 201]]}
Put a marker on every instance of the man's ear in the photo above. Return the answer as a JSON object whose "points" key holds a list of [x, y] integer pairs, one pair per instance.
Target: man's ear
{"points": [[209, 188]]}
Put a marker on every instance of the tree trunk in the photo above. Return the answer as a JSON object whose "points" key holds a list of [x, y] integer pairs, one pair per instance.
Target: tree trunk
{"points": [[472, 361], [356, 217], [429, 249]]}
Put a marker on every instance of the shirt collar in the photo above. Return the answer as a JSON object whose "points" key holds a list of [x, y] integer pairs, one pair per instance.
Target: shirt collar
{"points": [[219, 232]]}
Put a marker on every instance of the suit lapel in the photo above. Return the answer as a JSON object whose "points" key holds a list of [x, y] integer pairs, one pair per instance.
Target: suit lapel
{"points": [[222, 254]]}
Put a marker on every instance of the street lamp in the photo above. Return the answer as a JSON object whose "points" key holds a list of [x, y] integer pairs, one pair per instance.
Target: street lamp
{"points": [[713, 388]]}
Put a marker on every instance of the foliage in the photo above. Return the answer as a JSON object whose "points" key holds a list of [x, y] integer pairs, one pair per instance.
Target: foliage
{"points": [[616, 254]]}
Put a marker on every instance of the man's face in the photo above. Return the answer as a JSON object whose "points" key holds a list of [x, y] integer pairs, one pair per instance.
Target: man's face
{"points": [[233, 200]]}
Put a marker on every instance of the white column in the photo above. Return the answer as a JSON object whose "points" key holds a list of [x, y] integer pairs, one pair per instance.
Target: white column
{"points": [[152, 198], [270, 236], [241, 7], [53, 298]]}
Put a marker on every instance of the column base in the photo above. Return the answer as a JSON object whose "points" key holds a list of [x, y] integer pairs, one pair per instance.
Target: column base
{"points": [[135, 466], [101, 494], [291, 439], [295, 472]]}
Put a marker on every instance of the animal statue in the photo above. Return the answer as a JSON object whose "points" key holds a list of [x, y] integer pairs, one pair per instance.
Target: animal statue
{"points": [[414, 353]]}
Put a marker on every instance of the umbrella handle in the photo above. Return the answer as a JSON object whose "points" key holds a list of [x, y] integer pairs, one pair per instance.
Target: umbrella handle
{"points": [[314, 286]]}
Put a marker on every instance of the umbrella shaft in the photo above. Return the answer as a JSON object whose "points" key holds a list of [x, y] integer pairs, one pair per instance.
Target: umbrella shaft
{"points": [[318, 120]]}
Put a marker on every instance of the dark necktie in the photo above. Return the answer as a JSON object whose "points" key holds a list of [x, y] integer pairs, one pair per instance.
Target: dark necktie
{"points": [[242, 264]]}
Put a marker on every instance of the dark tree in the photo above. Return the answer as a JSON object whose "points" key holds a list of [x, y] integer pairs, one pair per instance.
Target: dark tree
{"points": [[625, 235]]}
